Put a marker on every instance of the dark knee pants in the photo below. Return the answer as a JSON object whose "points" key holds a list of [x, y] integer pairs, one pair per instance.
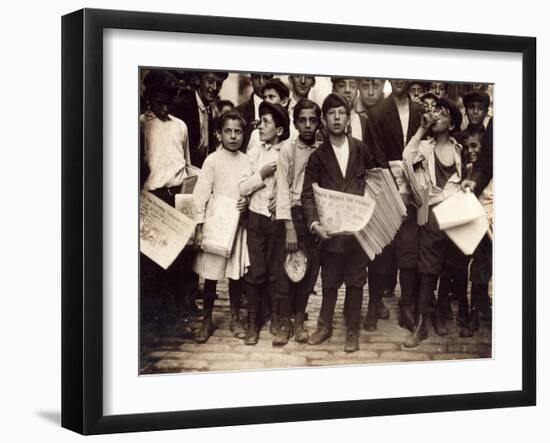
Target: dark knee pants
{"points": [[265, 252], [437, 253], [298, 293], [338, 268]]}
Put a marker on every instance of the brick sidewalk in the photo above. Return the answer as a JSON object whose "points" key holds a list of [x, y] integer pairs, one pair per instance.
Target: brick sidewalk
{"points": [[170, 353]]}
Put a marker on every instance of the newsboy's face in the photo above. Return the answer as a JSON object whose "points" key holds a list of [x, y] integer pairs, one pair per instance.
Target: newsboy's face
{"points": [[399, 87], [307, 124], [371, 92], [476, 112], [336, 120], [347, 88], [415, 92], [438, 88], [232, 135], [209, 86], [258, 82], [301, 84]]}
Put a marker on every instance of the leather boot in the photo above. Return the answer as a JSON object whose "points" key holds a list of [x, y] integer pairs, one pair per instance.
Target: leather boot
{"points": [[352, 341], [474, 319], [235, 326], [382, 311], [371, 320], [207, 327], [275, 318], [419, 333], [438, 320], [252, 333], [301, 334], [283, 334], [322, 333], [406, 317], [463, 308]]}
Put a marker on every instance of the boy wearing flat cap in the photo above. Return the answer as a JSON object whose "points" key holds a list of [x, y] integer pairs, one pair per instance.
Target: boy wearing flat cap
{"points": [[258, 184], [442, 156], [339, 164], [476, 103]]}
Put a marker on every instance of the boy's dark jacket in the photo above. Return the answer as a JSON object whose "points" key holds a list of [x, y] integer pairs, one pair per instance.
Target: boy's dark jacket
{"points": [[322, 168], [384, 132]]}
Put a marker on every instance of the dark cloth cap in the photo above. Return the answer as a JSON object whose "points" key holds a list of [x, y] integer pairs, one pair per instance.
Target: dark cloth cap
{"points": [[456, 116], [332, 99], [476, 95], [160, 77], [429, 95], [280, 116]]}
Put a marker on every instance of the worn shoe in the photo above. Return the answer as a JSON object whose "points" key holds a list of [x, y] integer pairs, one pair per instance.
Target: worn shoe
{"points": [[439, 324], [419, 333], [301, 334], [382, 311], [252, 333], [371, 320], [321, 334], [406, 317], [283, 335], [352, 341], [207, 327], [236, 326]]}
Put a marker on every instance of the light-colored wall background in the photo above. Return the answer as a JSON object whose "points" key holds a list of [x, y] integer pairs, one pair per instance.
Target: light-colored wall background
{"points": [[30, 245]]}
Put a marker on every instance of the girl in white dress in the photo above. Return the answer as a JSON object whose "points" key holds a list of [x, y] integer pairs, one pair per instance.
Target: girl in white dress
{"points": [[220, 175]]}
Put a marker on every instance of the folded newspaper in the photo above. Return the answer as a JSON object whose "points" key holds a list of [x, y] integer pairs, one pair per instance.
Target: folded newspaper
{"points": [[463, 219], [342, 213], [185, 203], [220, 225], [388, 214], [419, 180], [163, 230]]}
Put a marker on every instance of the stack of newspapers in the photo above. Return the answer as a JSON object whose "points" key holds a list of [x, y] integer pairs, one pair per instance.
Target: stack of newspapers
{"points": [[388, 214], [419, 180]]}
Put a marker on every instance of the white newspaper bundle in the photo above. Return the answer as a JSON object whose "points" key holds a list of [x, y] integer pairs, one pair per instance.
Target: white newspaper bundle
{"points": [[463, 219], [388, 214], [486, 200], [185, 203], [220, 225], [342, 213], [163, 230], [189, 182], [419, 180]]}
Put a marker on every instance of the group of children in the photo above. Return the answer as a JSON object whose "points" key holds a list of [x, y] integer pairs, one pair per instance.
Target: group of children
{"points": [[268, 167]]}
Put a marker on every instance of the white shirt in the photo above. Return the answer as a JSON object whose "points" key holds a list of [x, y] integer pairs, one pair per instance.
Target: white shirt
{"points": [[342, 155], [355, 124], [203, 120], [166, 146], [251, 184], [257, 102], [404, 112]]}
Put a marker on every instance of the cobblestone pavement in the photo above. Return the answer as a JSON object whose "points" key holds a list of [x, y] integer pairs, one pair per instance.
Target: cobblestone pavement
{"points": [[169, 353]]}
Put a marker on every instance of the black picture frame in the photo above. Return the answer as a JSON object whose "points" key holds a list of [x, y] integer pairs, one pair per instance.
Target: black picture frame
{"points": [[82, 220]]}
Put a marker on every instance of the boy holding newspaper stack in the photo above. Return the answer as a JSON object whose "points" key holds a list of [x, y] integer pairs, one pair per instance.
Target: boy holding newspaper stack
{"points": [[339, 164], [218, 214]]}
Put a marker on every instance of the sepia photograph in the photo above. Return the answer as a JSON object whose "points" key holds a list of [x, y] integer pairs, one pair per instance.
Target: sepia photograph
{"points": [[291, 220]]}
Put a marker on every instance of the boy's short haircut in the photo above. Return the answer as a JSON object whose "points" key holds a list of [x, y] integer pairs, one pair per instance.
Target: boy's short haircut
{"points": [[232, 115], [279, 115], [429, 95], [277, 85], [221, 103], [306, 104], [334, 100], [469, 132], [335, 80], [476, 95], [456, 116], [223, 75], [166, 92]]}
